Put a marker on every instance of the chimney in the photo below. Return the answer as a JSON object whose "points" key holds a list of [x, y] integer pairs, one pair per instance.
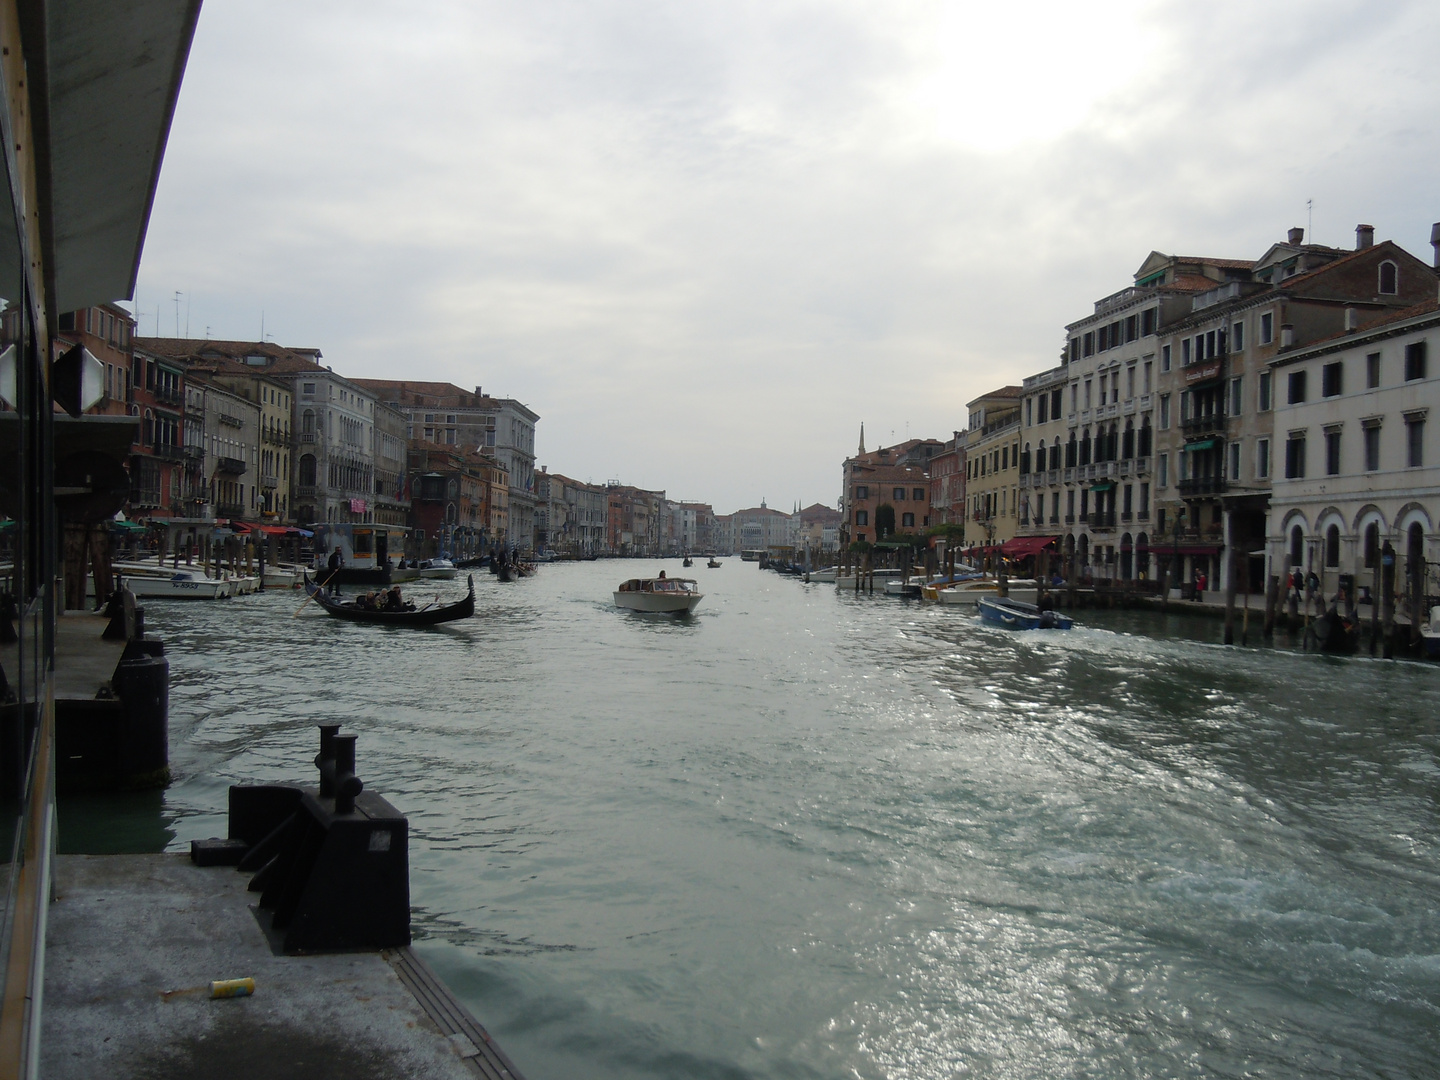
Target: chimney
{"points": [[1287, 336], [1296, 236], [1435, 242], [1351, 321], [1364, 236], [479, 392]]}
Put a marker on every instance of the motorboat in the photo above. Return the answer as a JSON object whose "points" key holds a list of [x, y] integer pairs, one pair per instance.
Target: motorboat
{"points": [[847, 581], [1430, 634], [714, 563], [282, 577], [905, 588], [825, 576], [1017, 615], [688, 561], [437, 569], [1025, 590], [674, 596], [178, 584]]}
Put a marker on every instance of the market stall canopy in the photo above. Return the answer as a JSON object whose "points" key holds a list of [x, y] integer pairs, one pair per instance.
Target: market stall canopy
{"points": [[112, 75]]}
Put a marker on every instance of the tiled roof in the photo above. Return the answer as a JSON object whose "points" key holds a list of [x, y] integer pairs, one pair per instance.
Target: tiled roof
{"points": [[1193, 283], [1389, 318], [1224, 264], [432, 394], [282, 359]]}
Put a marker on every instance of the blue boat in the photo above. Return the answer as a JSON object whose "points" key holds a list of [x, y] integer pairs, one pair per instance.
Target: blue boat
{"points": [[1017, 615]]}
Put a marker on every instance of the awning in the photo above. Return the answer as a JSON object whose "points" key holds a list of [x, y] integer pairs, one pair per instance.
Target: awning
{"points": [[1103, 485], [1186, 549], [1202, 444], [1020, 546]]}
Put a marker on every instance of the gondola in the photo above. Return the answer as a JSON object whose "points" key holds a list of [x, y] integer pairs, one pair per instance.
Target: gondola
{"points": [[1334, 632], [430, 615]]}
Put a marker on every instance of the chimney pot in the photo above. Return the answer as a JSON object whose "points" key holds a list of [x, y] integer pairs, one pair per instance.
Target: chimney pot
{"points": [[1364, 236], [1435, 242], [1351, 322], [1296, 236], [1287, 336]]}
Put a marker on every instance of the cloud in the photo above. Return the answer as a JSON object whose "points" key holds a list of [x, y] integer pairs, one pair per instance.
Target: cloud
{"points": [[705, 241]]}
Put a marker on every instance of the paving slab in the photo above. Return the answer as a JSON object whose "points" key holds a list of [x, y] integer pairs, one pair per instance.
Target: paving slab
{"points": [[127, 931]]}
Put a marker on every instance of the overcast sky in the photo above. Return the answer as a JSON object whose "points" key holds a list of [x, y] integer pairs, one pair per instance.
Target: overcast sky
{"points": [[705, 241]]}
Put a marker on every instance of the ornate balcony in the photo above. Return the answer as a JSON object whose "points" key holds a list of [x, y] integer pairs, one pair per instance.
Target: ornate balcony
{"points": [[231, 466], [1203, 424], [1202, 485]]}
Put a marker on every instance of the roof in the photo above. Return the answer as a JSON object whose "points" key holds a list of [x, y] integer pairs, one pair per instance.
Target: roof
{"points": [[1387, 323], [280, 359], [104, 79]]}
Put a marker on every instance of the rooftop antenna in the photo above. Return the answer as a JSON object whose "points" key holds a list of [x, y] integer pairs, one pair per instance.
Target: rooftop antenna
{"points": [[262, 324], [187, 315], [1310, 219], [177, 313]]}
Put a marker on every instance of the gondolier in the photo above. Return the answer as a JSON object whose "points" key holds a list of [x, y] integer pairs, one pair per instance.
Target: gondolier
{"points": [[336, 561]]}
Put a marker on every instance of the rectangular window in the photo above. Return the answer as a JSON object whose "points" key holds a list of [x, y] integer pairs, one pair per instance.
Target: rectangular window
{"points": [[1149, 364], [1030, 413], [1074, 396], [1162, 471], [1332, 453], [1332, 379], [1089, 349], [1164, 411], [1372, 370], [1263, 401], [907, 521], [1372, 446], [1415, 360], [862, 492], [1295, 457], [1267, 328], [1415, 442], [1209, 344], [1237, 395], [1185, 352], [1296, 388], [1055, 404], [1262, 458], [1234, 452], [1144, 499], [918, 494], [862, 517], [1054, 507], [1237, 337], [1164, 357], [1087, 393], [898, 494]]}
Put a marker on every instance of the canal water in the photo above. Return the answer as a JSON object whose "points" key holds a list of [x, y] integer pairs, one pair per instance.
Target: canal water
{"points": [[810, 834]]}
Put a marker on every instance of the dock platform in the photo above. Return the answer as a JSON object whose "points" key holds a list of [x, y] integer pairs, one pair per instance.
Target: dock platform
{"points": [[126, 932]]}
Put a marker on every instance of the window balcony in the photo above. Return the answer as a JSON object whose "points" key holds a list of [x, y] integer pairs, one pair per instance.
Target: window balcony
{"points": [[303, 491], [1069, 519], [230, 510], [1142, 515], [1202, 485], [169, 452], [1126, 516], [1202, 425], [274, 438], [1142, 465], [307, 437], [173, 398], [231, 466], [1102, 519], [269, 481]]}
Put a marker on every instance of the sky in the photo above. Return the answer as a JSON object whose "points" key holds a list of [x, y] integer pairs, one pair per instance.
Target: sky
{"points": [[706, 241]]}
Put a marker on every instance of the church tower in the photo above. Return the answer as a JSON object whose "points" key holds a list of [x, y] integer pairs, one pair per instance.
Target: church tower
{"points": [[862, 439]]}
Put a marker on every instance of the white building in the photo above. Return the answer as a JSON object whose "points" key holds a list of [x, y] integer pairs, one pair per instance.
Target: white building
{"points": [[1357, 462]]}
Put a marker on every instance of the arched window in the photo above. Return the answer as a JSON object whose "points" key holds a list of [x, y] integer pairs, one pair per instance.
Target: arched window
{"points": [[307, 469], [1070, 451], [1143, 450], [1297, 547], [1332, 547], [307, 423], [1372, 545], [1025, 460], [1389, 278], [1085, 447], [1127, 444]]}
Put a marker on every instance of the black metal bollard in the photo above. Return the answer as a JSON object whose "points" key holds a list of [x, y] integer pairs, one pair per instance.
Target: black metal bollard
{"points": [[325, 760], [347, 784]]}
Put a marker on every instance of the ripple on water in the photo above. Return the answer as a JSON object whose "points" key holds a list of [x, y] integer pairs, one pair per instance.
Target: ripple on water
{"points": [[814, 834]]}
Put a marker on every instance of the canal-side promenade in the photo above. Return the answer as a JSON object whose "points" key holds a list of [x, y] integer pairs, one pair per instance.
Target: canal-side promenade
{"points": [[134, 942]]}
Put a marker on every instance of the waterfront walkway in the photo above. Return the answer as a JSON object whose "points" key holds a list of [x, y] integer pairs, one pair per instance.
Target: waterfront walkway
{"points": [[126, 931]]}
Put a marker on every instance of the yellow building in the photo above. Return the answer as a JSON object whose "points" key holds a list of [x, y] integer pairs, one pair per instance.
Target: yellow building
{"points": [[992, 468]]}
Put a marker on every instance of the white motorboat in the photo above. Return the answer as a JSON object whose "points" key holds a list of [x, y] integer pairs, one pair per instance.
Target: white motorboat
{"points": [[179, 584], [825, 576], [1430, 634], [905, 588], [674, 596], [847, 581], [436, 570], [282, 577], [1025, 590]]}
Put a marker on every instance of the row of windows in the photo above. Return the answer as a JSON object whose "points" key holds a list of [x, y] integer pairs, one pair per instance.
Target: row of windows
{"points": [[1113, 335], [1332, 375], [1131, 507]]}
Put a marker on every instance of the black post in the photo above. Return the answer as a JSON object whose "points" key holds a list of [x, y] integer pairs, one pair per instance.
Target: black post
{"points": [[1387, 584], [347, 784], [325, 760]]}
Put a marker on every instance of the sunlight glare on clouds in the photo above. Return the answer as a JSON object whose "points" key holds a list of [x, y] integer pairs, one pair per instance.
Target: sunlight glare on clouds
{"points": [[991, 77]]}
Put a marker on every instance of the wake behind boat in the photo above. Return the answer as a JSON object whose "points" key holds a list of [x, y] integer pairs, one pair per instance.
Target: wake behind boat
{"points": [[674, 596], [1018, 615], [429, 615]]}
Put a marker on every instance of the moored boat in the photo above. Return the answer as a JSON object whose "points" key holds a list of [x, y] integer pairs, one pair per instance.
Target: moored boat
{"points": [[429, 615], [825, 576], [178, 584], [1018, 615], [437, 569], [673, 596]]}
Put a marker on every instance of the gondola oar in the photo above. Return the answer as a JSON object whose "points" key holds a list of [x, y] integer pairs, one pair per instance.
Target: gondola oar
{"points": [[311, 596]]}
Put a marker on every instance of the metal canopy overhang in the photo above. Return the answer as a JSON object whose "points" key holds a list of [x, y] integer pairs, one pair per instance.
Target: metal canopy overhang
{"points": [[111, 75]]}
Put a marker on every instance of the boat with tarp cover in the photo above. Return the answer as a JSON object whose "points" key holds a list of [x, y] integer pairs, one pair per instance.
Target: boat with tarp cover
{"points": [[429, 615], [671, 596]]}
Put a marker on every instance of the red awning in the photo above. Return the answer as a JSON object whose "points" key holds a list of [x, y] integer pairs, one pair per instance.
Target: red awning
{"points": [[1020, 546]]}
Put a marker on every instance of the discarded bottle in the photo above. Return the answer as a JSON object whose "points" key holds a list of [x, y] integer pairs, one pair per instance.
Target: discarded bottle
{"points": [[226, 988]]}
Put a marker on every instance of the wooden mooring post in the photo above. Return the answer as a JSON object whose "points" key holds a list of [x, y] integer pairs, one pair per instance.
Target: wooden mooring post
{"points": [[1387, 611]]}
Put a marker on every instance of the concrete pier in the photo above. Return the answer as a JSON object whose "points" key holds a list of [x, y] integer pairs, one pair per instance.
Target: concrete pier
{"points": [[134, 941]]}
